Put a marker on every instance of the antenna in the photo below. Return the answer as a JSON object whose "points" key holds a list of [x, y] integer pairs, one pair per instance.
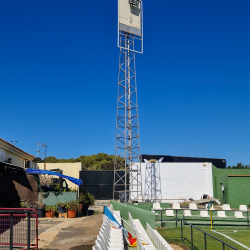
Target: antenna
{"points": [[13, 142], [42, 149], [127, 147]]}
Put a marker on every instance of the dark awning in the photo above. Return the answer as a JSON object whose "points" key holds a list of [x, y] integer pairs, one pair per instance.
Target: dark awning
{"points": [[7, 168]]}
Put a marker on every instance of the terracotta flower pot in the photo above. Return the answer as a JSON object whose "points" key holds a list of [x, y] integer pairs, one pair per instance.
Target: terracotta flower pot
{"points": [[80, 207], [49, 214], [72, 213]]}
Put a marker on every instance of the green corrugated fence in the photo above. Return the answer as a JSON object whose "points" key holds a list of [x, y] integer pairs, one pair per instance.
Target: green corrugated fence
{"points": [[136, 212]]}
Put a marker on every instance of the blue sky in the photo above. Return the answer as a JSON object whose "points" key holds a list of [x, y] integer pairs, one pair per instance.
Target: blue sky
{"points": [[59, 71]]}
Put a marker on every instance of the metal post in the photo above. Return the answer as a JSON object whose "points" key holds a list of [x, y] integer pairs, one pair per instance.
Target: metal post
{"points": [[223, 246], [161, 219], [11, 231], [248, 218], [181, 233], [28, 233], [192, 244], [205, 241], [211, 218], [176, 217]]}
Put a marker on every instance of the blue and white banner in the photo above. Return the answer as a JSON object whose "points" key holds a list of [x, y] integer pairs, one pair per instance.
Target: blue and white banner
{"points": [[111, 217]]}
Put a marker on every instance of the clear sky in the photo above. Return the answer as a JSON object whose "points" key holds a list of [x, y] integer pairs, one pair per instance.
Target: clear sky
{"points": [[59, 72]]}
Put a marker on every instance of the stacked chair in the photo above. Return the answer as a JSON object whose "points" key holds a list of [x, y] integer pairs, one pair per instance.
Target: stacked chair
{"points": [[158, 240], [110, 238], [141, 235]]}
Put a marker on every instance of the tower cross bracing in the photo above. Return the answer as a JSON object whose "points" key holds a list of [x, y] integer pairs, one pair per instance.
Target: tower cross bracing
{"points": [[153, 180], [127, 125]]}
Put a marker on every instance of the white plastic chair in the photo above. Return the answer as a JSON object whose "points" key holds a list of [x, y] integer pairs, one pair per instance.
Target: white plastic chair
{"points": [[226, 207], [204, 214], [170, 212], [238, 215], [176, 205], [221, 214], [243, 207], [187, 213], [96, 248], [157, 206], [153, 211], [192, 206]]}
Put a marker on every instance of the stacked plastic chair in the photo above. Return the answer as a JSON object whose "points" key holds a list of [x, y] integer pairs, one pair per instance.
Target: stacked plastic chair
{"points": [[141, 235], [157, 239], [110, 238]]}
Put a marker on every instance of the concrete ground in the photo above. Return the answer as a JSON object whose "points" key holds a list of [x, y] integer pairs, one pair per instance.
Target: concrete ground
{"points": [[72, 234]]}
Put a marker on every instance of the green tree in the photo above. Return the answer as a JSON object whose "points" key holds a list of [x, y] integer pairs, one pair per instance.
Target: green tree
{"points": [[239, 166], [51, 159], [100, 161]]}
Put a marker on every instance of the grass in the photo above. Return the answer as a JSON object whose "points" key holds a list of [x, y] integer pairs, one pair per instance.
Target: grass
{"points": [[173, 236]]}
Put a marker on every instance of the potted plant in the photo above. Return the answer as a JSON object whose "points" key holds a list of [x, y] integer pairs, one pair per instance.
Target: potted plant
{"points": [[24, 204], [72, 208], [61, 207], [40, 209], [39, 206], [50, 211], [85, 200]]}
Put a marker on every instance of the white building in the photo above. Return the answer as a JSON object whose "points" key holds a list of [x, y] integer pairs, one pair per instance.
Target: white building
{"points": [[12, 155], [181, 181]]}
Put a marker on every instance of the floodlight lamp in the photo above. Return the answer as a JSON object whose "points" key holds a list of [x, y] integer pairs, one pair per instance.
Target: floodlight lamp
{"points": [[134, 3]]}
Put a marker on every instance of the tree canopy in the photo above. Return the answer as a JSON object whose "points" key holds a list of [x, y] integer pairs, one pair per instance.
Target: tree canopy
{"points": [[239, 166], [100, 161]]}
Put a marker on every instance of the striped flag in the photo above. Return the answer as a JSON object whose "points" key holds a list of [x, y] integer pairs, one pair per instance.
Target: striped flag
{"points": [[111, 217]]}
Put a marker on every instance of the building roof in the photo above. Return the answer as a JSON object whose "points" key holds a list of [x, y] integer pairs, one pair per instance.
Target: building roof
{"points": [[217, 162], [12, 148]]}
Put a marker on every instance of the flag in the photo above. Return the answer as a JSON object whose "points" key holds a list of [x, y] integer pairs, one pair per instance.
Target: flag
{"points": [[132, 242], [111, 217]]}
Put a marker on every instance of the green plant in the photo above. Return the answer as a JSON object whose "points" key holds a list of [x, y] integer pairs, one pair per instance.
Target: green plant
{"points": [[40, 205], [24, 204], [37, 205], [72, 205], [62, 204], [86, 198], [51, 208]]}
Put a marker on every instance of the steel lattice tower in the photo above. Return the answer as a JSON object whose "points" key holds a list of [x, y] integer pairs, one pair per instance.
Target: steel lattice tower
{"points": [[153, 180], [127, 164], [127, 125]]}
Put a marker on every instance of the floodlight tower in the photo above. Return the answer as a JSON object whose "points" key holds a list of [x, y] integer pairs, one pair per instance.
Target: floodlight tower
{"points": [[127, 148], [153, 180]]}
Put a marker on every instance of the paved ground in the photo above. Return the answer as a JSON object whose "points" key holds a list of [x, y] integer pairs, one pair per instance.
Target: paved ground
{"points": [[72, 234]]}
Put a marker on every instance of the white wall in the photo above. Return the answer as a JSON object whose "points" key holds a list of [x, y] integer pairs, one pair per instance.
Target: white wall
{"points": [[18, 156], [184, 180]]}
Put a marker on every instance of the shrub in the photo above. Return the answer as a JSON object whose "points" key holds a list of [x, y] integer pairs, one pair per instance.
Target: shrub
{"points": [[51, 208], [86, 198], [72, 205]]}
